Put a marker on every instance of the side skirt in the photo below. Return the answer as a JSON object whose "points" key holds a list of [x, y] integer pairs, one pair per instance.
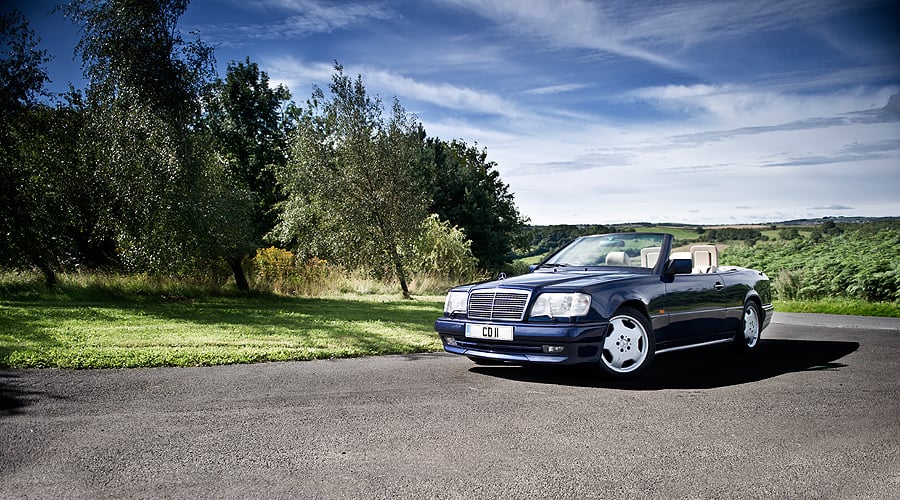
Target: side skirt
{"points": [[683, 347]]}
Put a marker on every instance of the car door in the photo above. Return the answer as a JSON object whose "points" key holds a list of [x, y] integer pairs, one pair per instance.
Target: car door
{"points": [[695, 305], [734, 292]]}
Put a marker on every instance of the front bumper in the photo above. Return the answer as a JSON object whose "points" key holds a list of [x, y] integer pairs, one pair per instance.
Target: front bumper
{"points": [[532, 343], [768, 310]]}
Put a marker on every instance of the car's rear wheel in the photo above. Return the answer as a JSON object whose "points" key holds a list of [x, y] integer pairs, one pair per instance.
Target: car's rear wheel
{"points": [[747, 337], [629, 344]]}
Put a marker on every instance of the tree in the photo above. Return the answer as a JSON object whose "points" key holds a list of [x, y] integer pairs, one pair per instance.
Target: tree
{"points": [[132, 48], [31, 212], [351, 194], [831, 229], [789, 233], [22, 73], [170, 202], [243, 114], [467, 191]]}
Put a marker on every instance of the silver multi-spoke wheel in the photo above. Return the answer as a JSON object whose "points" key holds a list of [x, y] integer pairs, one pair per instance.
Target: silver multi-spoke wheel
{"points": [[629, 346], [748, 336]]}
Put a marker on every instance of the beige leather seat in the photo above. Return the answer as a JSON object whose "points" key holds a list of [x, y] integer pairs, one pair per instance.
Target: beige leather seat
{"points": [[705, 258], [649, 256], [617, 259]]}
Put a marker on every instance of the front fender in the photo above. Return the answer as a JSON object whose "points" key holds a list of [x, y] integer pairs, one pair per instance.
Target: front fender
{"points": [[639, 293], [608, 304], [765, 307]]}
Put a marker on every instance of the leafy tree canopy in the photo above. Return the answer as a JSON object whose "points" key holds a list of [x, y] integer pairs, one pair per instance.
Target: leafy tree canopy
{"points": [[22, 73], [167, 199], [466, 190], [351, 194], [245, 116]]}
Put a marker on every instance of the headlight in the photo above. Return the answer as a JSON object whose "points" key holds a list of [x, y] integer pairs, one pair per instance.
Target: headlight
{"points": [[456, 302], [557, 305]]}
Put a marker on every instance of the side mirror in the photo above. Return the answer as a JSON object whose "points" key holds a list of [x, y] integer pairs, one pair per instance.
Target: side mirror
{"points": [[532, 267], [679, 266]]}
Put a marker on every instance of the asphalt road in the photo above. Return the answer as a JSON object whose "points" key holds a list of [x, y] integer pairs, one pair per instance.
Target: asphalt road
{"points": [[815, 414]]}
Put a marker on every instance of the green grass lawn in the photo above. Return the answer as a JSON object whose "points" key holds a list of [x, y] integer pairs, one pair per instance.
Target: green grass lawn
{"points": [[58, 331]]}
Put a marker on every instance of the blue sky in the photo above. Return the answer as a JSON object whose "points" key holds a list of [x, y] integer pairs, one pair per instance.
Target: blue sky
{"points": [[705, 112]]}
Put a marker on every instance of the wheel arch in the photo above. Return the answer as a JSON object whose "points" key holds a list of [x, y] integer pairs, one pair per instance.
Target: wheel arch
{"points": [[754, 297], [634, 303]]}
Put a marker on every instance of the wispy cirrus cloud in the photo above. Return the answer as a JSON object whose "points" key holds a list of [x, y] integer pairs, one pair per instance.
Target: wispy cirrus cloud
{"points": [[757, 109], [565, 24], [663, 23], [297, 74], [850, 153], [291, 19], [556, 89], [651, 31], [832, 207]]}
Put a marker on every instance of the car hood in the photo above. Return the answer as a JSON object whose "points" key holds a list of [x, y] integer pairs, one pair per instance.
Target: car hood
{"points": [[563, 279]]}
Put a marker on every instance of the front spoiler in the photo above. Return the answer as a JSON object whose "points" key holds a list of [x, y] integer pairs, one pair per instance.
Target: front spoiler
{"points": [[580, 342]]}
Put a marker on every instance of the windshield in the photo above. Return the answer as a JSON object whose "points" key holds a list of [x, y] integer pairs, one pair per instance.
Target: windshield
{"points": [[627, 249]]}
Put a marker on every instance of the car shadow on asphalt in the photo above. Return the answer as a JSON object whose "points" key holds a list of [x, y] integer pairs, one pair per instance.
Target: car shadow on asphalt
{"points": [[702, 368]]}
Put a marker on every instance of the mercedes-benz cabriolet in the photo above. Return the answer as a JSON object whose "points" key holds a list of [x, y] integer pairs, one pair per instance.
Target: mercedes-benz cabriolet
{"points": [[613, 300]]}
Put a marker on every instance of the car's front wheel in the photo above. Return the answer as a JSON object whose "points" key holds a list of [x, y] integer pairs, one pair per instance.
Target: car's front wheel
{"points": [[747, 337], [629, 344]]}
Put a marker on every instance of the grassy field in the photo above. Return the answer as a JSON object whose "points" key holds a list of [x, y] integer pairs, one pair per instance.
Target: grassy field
{"points": [[116, 332]]}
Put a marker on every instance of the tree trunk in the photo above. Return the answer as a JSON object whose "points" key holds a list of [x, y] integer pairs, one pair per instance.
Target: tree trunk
{"points": [[239, 278], [49, 275], [401, 274], [405, 288]]}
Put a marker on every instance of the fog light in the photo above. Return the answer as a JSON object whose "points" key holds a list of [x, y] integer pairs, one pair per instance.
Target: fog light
{"points": [[552, 349], [449, 340]]}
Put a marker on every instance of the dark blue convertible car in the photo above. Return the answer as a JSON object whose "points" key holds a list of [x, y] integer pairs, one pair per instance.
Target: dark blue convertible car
{"points": [[614, 300]]}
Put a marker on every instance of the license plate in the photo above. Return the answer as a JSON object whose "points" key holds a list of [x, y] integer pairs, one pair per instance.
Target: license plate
{"points": [[489, 332]]}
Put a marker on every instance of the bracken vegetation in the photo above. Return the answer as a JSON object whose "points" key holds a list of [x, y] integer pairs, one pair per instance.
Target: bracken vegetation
{"points": [[848, 261]]}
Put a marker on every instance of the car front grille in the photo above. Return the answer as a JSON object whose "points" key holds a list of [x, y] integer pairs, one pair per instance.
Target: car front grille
{"points": [[498, 304]]}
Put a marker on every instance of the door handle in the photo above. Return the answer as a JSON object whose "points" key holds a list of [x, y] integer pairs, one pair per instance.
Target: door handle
{"points": [[718, 285]]}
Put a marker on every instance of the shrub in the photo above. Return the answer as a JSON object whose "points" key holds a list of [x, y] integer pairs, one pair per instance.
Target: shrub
{"points": [[787, 285], [280, 271], [273, 265], [443, 252]]}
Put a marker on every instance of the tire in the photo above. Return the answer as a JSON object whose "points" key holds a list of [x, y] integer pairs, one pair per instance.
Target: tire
{"points": [[629, 345], [747, 337]]}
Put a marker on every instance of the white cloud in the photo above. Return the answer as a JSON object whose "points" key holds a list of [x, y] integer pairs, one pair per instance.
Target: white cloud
{"points": [[565, 24], [654, 31], [296, 19], [698, 173], [775, 154], [741, 106], [443, 94], [688, 22], [556, 89], [296, 73], [778, 148]]}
